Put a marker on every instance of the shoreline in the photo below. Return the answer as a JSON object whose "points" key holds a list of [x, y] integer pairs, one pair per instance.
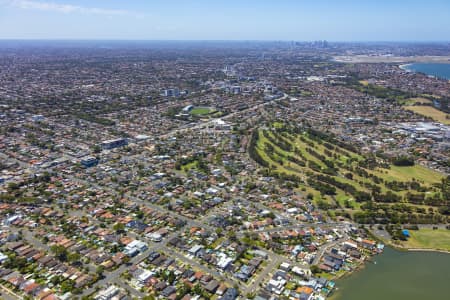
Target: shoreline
{"points": [[391, 59], [427, 250], [362, 264], [406, 249], [404, 67], [335, 292], [403, 248]]}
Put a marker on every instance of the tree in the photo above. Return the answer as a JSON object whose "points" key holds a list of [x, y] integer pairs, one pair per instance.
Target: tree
{"points": [[349, 176], [231, 235], [445, 187], [126, 275], [171, 277], [347, 204], [197, 289], [315, 269], [119, 227], [361, 196], [99, 271], [140, 214], [97, 149], [67, 286], [403, 161], [74, 257], [60, 252]]}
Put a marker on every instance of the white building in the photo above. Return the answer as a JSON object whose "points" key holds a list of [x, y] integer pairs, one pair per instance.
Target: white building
{"points": [[108, 293], [145, 276]]}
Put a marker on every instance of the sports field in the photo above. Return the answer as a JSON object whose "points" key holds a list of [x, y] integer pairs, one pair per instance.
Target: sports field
{"points": [[431, 112], [428, 238]]}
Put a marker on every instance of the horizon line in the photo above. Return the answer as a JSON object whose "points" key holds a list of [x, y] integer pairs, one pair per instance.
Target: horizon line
{"points": [[218, 40]]}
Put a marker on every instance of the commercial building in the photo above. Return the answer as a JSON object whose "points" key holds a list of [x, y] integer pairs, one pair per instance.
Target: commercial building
{"points": [[116, 143], [89, 161]]}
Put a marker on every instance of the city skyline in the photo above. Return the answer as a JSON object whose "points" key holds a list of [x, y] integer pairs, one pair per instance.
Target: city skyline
{"points": [[216, 20]]}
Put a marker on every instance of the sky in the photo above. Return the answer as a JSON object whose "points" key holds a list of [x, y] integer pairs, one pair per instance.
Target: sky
{"points": [[300, 20]]}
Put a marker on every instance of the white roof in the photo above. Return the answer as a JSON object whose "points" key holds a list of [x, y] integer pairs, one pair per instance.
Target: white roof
{"points": [[145, 275]]}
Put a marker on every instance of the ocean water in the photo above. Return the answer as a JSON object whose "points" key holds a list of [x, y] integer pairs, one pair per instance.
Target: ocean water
{"points": [[433, 69]]}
